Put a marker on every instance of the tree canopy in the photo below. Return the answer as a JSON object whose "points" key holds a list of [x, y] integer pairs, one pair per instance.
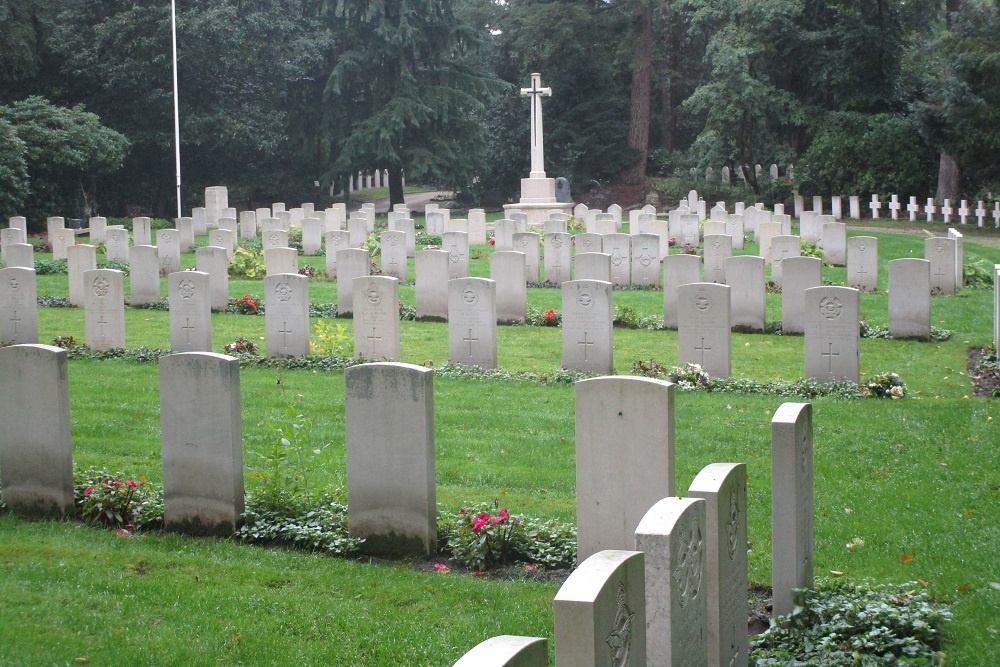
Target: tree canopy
{"points": [[279, 95]]}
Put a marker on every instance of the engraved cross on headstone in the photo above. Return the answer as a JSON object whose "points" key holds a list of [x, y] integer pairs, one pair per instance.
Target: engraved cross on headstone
{"points": [[187, 328], [102, 322], [703, 349], [830, 355], [536, 93], [284, 331], [373, 338], [585, 343], [15, 320], [470, 340]]}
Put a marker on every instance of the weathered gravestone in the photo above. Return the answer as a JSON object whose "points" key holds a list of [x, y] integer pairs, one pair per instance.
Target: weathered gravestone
{"points": [[61, 240], [9, 237], [213, 261], [745, 274], [592, 266], [677, 270], [281, 260], [223, 238], [477, 226], [18, 307], [248, 225], [507, 651], [600, 612], [563, 194], [507, 270], [286, 316], [168, 250], [79, 259], [791, 503], [587, 326], [202, 439], [144, 274], [734, 228], [588, 243], [20, 255], [116, 248], [456, 244], [336, 240], [141, 232], [862, 263], [36, 450], [782, 248], [104, 303], [528, 244], [357, 228], [376, 318], [393, 247], [431, 267], [312, 236], [558, 257], [832, 334], [766, 232], [671, 537], [834, 241], [624, 457], [718, 248], [910, 298], [190, 299], [472, 322], [809, 227], [798, 275], [704, 328], [618, 246], [645, 253], [723, 487], [390, 462], [352, 263]]}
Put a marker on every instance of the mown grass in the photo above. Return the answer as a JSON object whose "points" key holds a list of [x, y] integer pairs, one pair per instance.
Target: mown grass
{"points": [[920, 477]]}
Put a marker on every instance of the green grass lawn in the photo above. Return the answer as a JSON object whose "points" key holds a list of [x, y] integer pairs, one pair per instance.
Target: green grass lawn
{"points": [[919, 476]]}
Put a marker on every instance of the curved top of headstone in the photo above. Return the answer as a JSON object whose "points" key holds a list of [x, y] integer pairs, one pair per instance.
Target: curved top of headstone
{"points": [[563, 195]]}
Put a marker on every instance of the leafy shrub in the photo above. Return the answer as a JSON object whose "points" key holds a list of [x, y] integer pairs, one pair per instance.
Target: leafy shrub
{"points": [[543, 318], [241, 346], [317, 525], [51, 267], [811, 250], [112, 500], [245, 305], [977, 274], [247, 263], [884, 385], [843, 624], [331, 339]]}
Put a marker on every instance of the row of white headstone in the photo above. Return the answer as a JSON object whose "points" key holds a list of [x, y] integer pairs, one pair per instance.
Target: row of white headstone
{"points": [[662, 579]]}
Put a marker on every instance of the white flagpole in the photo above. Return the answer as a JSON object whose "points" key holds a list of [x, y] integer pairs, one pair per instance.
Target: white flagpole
{"points": [[177, 122]]}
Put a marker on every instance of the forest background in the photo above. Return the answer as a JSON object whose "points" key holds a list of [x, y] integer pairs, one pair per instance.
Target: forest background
{"points": [[281, 100]]}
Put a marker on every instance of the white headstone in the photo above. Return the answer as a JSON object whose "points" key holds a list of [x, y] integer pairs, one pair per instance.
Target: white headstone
{"points": [[558, 257], [393, 250], [336, 240], [645, 250], [745, 274], [431, 267], [353, 263], [104, 303], [507, 651], [797, 275], [587, 326], [832, 334], [834, 241], [376, 318], [116, 247], [185, 230], [672, 536], [61, 239], [600, 612], [588, 242], [677, 270], [723, 488], [213, 261], [36, 451], [98, 228], [910, 298], [189, 296], [168, 250], [472, 322], [312, 235], [624, 457], [507, 270], [286, 315], [18, 307], [141, 232], [862, 263], [390, 462], [202, 433], [503, 235], [527, 243], [592, 266], [791, 503], [281, 260], [783, 247], [940, 252], [79, 259], [223, 238], [704, 328], [618, 246]]}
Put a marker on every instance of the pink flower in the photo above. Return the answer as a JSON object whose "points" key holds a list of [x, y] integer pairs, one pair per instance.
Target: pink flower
{"points": [[481, 520], [529, 567], [132, 482], [479, 573], [441, 567], [500, 518], [462, 511], [89, 490]]}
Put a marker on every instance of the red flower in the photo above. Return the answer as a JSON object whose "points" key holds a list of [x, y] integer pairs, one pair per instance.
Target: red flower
{"points": [[132, 482], [482, 519], [491, 241], [462, 511], [501, 517], [550, 314], [89, 490]]}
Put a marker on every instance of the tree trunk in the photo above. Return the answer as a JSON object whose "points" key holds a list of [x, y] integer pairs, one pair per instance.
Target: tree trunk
{"points": [[949, 175], [395, 186], [638, 129], [667, 117]]}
